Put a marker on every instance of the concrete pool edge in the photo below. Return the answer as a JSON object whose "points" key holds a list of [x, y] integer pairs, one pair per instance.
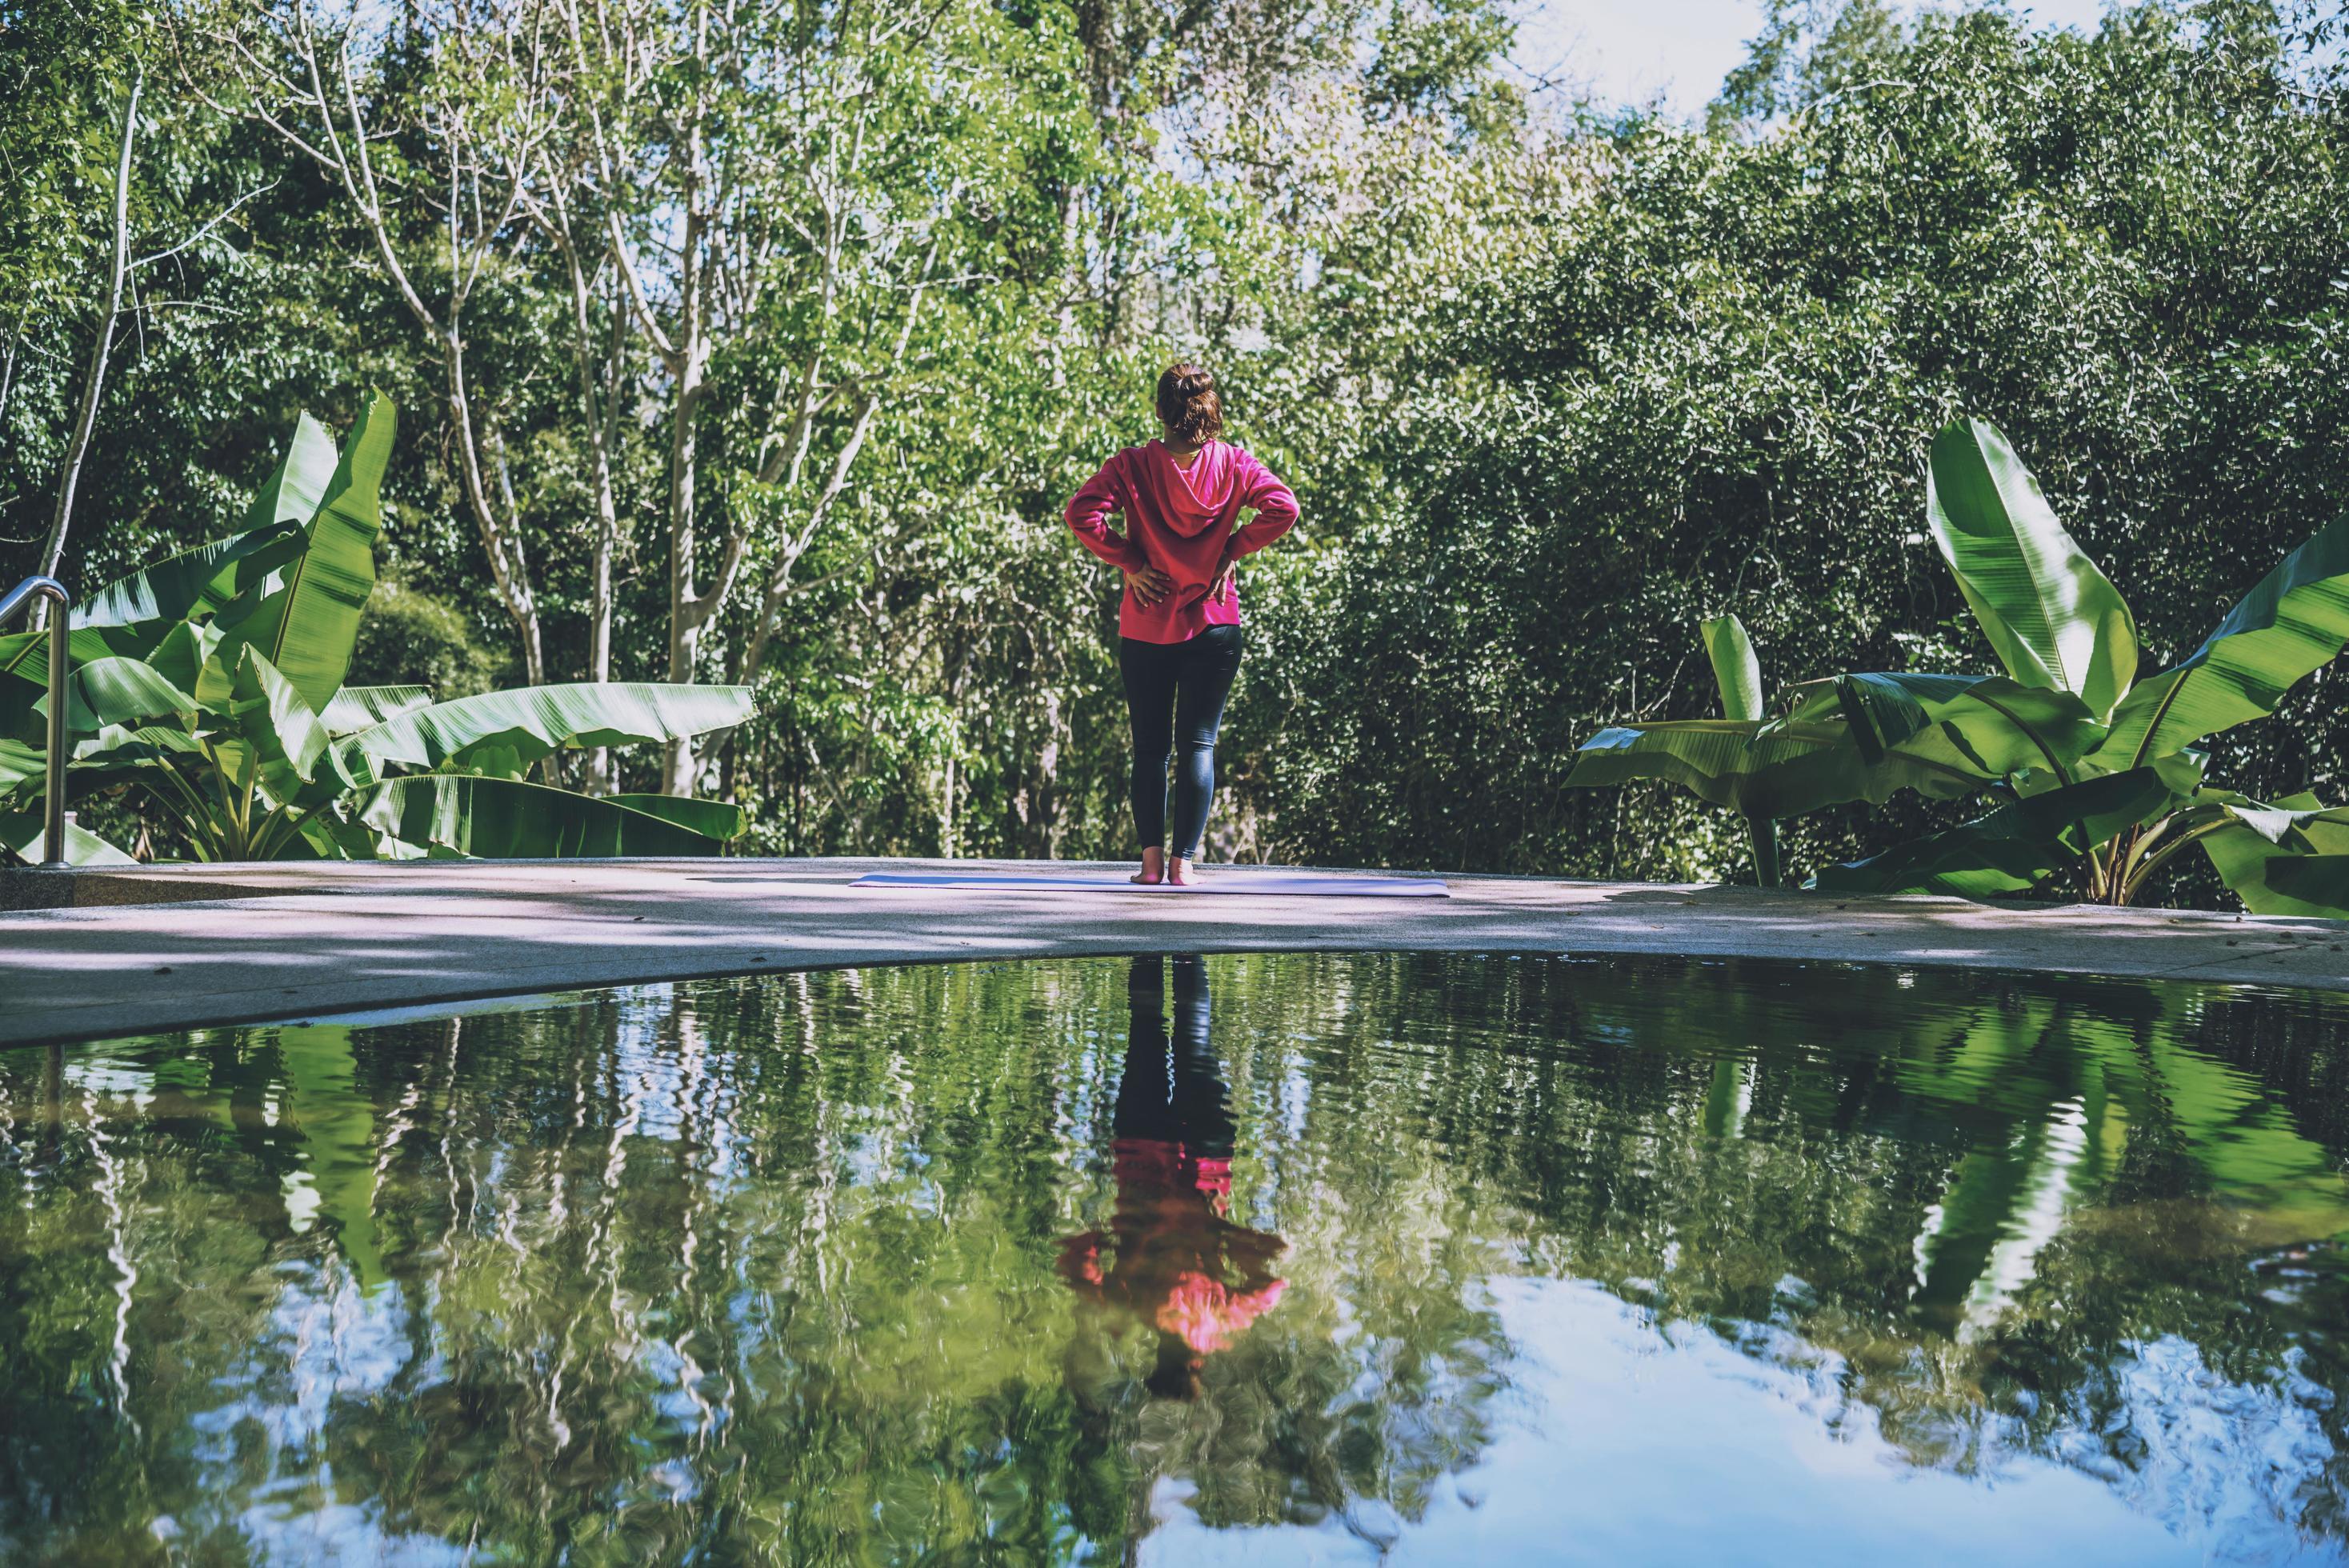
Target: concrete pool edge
{"points": [[309, 940]]}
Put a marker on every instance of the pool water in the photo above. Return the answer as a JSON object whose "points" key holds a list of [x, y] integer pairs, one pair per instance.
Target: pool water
{"points": [[1256, 1259]]}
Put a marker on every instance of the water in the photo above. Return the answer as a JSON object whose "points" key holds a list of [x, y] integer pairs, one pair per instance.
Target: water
{"points": [[1306, 1259]]}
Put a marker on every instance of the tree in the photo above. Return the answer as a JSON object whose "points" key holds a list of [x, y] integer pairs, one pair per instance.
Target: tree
{"points": [[441, 211], [101, 343]]}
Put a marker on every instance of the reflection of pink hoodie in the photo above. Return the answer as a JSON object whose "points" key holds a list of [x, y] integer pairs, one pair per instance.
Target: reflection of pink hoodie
{"points": [[1176, 1262], [1180, 520]]}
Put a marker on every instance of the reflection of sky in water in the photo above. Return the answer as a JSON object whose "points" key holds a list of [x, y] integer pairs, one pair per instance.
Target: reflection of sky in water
{"points": [[260, 1449], [1584, 1265], [1619, 1444]]}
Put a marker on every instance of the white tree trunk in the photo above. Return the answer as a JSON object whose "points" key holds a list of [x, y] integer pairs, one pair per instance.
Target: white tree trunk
{"points": [[53, 549]]}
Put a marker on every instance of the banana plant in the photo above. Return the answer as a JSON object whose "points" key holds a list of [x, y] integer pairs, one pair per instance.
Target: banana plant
{"points": [[215, 681], [2056, 624], [2101, 774]]}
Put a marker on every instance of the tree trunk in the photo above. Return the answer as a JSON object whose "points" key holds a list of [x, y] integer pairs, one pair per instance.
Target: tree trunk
{"points": [[686, 612], [1764, 831], [506, 570], [8, 368], [53, 551], [598, 416], [1046, 827]]}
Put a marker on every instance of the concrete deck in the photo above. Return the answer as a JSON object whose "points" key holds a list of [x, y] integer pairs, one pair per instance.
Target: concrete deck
{"points": [[299, 941]]}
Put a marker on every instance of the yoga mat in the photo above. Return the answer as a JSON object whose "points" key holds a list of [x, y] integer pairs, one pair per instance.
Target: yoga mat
{"points": [[1223, 879]]}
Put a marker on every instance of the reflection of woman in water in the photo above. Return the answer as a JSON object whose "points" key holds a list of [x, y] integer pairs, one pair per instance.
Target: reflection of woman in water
{"points": [[1170, 1257]]}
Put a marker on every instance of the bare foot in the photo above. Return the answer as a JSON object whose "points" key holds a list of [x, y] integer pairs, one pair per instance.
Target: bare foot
{"points": [[1181, 872], [1153, 868]]}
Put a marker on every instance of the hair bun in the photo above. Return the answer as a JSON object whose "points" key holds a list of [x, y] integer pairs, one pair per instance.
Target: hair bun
{"points": [[1188, 406]]}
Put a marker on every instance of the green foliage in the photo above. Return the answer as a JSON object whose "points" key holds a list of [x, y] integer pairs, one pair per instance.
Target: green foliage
{"points": [[411, 637], [1551, 388], [1714, 385], [1806, 53], [2068, 640], [250, 758], [66, 64]]}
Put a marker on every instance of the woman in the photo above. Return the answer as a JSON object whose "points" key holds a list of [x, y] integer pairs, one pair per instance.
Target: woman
{"points": [[1179, 623]]}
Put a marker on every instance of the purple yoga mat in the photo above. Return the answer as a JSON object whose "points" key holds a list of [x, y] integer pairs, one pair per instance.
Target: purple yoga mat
{"points": [[1223, 879]]}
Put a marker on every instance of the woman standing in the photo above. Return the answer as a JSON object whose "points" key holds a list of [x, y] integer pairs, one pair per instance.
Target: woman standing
{"points": [[1179, 623]]}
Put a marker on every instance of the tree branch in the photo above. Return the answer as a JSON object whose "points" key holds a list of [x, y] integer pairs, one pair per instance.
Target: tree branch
{"points": [[221, 217]]}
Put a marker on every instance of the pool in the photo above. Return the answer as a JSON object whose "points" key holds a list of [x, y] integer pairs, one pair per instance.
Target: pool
{"points": [[1252, 1259]]}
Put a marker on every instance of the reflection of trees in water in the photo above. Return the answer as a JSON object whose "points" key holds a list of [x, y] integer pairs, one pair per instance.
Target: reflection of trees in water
{"points": [[2018, 1224], [776, 1262]]}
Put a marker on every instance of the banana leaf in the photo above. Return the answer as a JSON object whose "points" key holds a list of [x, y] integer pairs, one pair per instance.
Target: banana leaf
{"points": [[199, 581], [20, 832], [507, 819], [1768, 771], [2305, 884], [299, 484], [117, 691], [21, 765], [2294, 622], [2298, 823], [354, 708], [2054, 618], [1987, 725], [25, 655], [179, 657], [506, 731], [266, 731], [330, 835], [119, 752], [2016, 848], [2291, 857], [306, 620], [1735, 668], [719, 820], [2324, 829]]}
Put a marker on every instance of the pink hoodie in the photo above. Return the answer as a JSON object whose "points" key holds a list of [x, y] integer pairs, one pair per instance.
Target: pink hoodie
{"points": [[1180, 520]]}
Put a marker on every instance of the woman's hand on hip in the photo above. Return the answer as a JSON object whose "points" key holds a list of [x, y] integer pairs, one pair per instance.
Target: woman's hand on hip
{"points": [[1148, 585], [1220, 590]]}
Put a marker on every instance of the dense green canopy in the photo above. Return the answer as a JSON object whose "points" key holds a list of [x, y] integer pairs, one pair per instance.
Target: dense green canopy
{"points": [[1715, 386]]}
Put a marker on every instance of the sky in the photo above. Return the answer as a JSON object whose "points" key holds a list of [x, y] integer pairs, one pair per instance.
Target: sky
{"points": [[1630, 51]]}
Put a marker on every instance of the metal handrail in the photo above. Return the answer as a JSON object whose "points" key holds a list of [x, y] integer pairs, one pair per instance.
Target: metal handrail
{"points": [[53, 827]]}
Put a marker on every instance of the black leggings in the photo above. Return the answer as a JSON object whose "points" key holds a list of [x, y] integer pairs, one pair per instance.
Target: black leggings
{"points": [[1175, 692]]}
